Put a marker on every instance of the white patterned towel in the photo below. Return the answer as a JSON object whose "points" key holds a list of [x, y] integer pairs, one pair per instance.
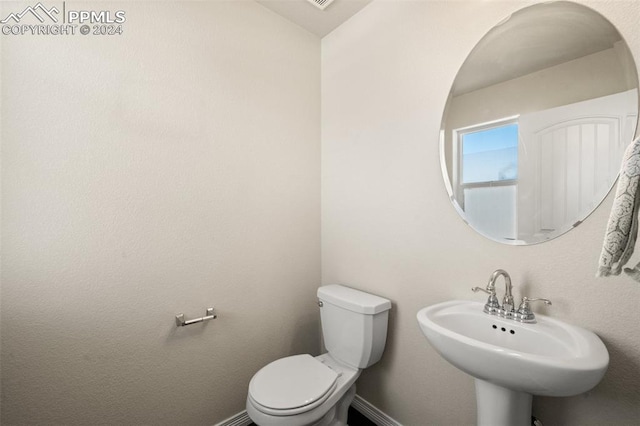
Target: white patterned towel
{"points": [[622, 228]]}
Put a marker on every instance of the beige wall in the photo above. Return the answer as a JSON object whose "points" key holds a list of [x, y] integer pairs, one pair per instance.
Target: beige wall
{"points": [[388, 226], [162, 171]]}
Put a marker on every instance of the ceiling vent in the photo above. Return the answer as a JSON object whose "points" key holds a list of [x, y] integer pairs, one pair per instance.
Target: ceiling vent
{"points": [[320, 4]]}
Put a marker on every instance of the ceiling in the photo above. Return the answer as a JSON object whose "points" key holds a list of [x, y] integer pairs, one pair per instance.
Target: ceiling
{"points": [[314, 20]]}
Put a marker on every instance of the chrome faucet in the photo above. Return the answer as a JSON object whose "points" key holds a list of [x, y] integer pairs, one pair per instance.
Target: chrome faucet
{"points": [[493, 306], [507, 300]]}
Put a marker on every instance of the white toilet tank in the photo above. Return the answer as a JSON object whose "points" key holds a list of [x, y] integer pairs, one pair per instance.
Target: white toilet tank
{"points": [[354, 324]]}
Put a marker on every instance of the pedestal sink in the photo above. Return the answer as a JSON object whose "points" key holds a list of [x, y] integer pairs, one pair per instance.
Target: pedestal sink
{"points": [[512, 361]]}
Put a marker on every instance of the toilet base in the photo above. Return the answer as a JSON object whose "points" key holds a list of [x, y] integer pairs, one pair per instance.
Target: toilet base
{"points": [[338, 414], [342, 407]]}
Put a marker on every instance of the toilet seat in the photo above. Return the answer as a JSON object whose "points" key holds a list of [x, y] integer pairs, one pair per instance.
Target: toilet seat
{"points": [[292, 385]]}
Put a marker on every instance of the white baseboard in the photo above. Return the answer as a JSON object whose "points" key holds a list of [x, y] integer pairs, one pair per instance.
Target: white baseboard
{"points": [[240, 419], [372, 413], [359, 404]]}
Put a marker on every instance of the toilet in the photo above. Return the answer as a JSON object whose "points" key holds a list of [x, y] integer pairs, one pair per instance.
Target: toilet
{"points": [[303, 390]]}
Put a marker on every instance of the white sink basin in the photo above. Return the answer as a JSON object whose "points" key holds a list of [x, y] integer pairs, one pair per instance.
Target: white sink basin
{"points": [[548, 358]]}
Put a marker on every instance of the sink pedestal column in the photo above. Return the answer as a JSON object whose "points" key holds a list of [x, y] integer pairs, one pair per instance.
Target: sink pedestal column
{"points": [[498, 406]]}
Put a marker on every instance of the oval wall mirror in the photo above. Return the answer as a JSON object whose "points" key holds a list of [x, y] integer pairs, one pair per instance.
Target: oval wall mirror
{"points": [[537, 121]]}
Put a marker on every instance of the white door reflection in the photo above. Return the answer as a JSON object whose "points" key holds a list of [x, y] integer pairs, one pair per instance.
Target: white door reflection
{"points": [[573, 154]]}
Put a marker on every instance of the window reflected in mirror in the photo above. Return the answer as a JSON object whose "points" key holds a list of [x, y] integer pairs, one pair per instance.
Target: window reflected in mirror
{"points": [[486, 182]]}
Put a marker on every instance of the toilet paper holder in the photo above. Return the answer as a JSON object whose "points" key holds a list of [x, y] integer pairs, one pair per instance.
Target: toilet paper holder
{"points": [[208, 316]]}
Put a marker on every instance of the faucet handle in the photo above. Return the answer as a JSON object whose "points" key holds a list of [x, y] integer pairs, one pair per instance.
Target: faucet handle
{"points": [[492, 306], [524, 313], [491, 291]]}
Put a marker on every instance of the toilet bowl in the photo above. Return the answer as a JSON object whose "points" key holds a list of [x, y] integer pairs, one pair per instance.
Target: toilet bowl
{"points": [[302, 390]]}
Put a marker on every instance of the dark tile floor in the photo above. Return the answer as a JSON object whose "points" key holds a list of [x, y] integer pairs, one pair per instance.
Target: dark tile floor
{"points": [[355, 419]]}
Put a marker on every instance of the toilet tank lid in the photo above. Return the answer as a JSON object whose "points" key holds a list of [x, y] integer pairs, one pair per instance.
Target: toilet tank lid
{"points": [[353, 300]]}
